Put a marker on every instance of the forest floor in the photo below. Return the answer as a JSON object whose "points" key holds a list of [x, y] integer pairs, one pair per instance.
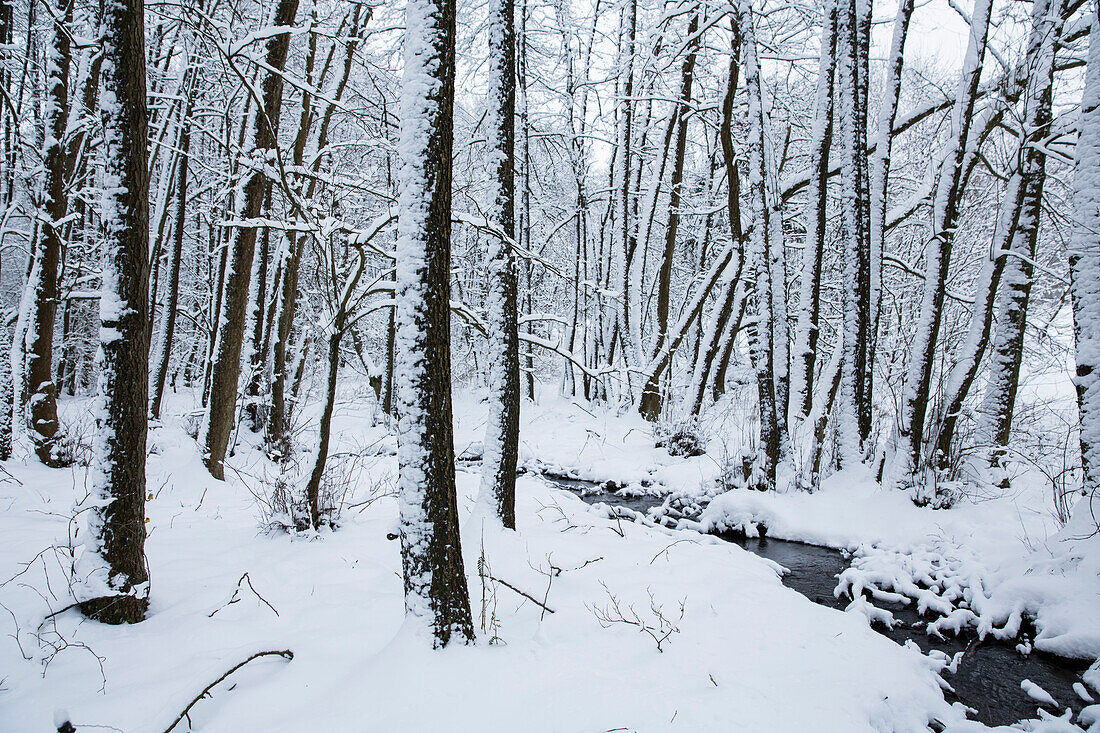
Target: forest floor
{"points": [[632, 626]]}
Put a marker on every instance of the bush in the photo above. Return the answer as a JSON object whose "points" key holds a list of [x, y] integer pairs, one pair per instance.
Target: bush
{"points": [[682, 439]]}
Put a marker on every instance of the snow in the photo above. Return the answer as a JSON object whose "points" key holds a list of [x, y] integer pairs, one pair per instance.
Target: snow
{"points": [[746, 646], [1038, 693], [986, 565]]}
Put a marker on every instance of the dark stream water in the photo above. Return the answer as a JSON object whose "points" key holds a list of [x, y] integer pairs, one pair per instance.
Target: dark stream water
{"points": [[989, 674]]}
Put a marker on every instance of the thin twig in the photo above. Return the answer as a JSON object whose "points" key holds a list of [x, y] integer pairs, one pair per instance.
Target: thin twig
{"points": [[508, 585]]}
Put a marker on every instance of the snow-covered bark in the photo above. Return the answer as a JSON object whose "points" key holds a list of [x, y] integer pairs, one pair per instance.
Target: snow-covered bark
{"points": [[851, 231], [37, 405], [915, 397], [879, 163], [255, 356], [1084, 261], [756, 253], [1012, 253], [864, 366], [731, 301], [263, 129], [627, 326], [650, 403], [110, 576], [498, 477], [809, 297], [435, 582], [777, 275]]}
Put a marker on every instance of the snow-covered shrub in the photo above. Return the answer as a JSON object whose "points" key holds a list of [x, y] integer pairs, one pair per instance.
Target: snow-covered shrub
{"points": [[682, 438], [74, 444], [736, 470], [286, 507]]}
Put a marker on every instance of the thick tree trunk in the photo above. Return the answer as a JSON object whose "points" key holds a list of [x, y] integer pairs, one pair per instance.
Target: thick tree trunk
{"points": [[113, 582], [853, 332], [1085, 262], [498, 477], [226, 364], [431, 553], [761, 328]]}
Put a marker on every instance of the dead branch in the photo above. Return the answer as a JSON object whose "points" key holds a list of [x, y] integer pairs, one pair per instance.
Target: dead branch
{"points": [[285, 653]]}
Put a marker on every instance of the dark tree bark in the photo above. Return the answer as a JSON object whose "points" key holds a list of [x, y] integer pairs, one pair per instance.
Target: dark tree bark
{"points": [[948, 197], [651, 401], [431, 552], [809, 311], [498, 478], [711, 370], [226, 363], [277, 412], [761, 330], [40, 392], [1018, 229], [113, 564]]}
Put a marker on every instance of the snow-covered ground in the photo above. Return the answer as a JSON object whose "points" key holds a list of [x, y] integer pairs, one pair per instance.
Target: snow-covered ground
{"points": [[737, 649]]}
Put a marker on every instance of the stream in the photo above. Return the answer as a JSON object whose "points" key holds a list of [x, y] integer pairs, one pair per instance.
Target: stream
{"points": [[989, 674]]}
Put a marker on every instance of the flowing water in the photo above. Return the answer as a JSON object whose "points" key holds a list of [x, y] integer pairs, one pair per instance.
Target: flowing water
{"points": [[989, 674]]}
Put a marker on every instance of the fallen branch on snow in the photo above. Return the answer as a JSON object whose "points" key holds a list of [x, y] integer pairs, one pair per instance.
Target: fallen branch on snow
{"points": [[285, 653]]}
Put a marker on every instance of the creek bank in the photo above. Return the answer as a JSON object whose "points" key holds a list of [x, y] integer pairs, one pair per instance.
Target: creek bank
{"points": [[988, 675]]}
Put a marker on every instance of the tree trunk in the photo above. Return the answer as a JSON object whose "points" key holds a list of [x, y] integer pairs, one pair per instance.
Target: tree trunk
{"points": [[498, 477], [945, 214], [1017, 235], [809, 301], [651, 401], [113, 582], [175, 257], [761, 329], [435, 581], [278, 413], [226, 364], [40, 391], [1084, 262]]}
